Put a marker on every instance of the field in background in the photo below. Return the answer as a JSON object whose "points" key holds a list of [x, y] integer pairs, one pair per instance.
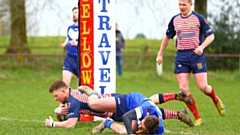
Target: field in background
{"points": [[26, 102]]}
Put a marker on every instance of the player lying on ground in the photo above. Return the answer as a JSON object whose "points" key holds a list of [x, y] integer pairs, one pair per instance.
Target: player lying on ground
{"points": [[134, 109], [77, 104]]}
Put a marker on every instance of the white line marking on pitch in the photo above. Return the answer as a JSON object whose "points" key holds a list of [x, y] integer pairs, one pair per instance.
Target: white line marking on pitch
{"points": [[22, 120], [180, 132]]}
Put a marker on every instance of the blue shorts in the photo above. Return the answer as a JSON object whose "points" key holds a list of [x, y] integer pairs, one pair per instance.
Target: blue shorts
{"points": [[121, 105], [186, 61], [71, 64]]}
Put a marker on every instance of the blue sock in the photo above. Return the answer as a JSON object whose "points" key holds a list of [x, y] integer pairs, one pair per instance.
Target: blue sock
{"points": [[108, 123]]}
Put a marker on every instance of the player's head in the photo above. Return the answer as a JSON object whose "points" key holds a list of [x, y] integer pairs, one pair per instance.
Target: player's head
{"points": [[75, 14], [59, 90], [149, 124], [185, 7]]}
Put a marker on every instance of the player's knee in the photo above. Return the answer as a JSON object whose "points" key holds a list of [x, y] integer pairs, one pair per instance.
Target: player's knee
{"points": [[155, 98], [92, 104], [206, 89]]}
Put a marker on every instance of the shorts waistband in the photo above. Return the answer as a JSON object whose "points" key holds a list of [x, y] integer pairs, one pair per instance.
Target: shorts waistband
{"points": [[186, 50], [71, 55]]}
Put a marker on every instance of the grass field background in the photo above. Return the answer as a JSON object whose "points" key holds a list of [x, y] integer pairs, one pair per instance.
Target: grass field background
{"points": [[26, 102]]}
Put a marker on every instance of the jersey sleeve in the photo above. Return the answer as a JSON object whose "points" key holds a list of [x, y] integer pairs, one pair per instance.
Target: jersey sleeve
{"points": [[205, 28], [170, 31]]}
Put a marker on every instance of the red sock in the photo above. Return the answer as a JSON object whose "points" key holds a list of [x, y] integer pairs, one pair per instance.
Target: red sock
{"points": [[213, 96], [193, 108], [168, 97], [170, 114]]}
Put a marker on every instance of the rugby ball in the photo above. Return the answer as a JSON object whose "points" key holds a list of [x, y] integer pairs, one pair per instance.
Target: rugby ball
{"points": [[64, 117]]}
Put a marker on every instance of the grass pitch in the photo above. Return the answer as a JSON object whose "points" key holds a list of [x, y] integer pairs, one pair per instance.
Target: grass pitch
{"points": [[26, 103]]}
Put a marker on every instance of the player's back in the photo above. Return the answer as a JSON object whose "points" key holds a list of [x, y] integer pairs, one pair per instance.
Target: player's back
{"points": [[134, 99], [79, 101], [147, 107], [72, 34]]}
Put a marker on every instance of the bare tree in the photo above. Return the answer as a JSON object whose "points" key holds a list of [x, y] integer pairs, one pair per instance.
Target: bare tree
{"points": [[4, 18], [200, 6], [18, 41], [21, 21]]}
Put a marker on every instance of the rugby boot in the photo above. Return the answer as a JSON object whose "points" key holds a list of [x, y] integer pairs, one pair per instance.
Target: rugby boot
{"points": [[88, 91], [198, 122], [99, 128], [183, 116], [221, 108], [182, 96]]}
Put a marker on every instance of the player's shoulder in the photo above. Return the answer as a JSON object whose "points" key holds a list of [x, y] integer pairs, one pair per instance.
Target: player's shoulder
{"points": [[72, 26], [198, 15], [176, 15], [77, 93]]}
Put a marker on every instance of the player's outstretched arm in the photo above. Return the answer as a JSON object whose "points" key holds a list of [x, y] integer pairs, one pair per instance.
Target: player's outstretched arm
{"points": [[70, 123], [128, 117]]}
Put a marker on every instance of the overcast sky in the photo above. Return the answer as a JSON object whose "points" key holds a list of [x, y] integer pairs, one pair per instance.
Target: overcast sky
{"points": [[150, 18], [54, 20]]}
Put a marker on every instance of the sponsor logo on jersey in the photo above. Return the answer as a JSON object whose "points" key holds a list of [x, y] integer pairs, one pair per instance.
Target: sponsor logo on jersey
{"points": [[191, 24]]}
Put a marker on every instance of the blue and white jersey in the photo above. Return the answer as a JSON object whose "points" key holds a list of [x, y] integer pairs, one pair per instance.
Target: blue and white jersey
{"points": [[72, 34], [144, 107]]}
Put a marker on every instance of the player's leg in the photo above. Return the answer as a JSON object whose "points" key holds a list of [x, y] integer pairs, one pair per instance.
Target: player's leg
{"points": [[183, 79], [183, 68], [103, 104], [116, 127], [67, 76], [77, 72], [119, 62], [181, 115], [165, 97], [201, 80], [68, 69]]}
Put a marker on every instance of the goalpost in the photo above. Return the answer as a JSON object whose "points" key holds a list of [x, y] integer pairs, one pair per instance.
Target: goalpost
{"points": [[97, 52]]}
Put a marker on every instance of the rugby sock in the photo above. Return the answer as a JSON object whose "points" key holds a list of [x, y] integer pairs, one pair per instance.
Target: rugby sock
{"points": [[166, 97], [193, 108], [94, 94], [169, 114], [108, 123], [213, 96]]}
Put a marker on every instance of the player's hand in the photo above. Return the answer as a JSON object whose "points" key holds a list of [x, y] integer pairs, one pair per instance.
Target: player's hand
{"points": [[63, 45], [159, 59], [117, 38], [62, 110], [139, 132], [73, 43], [49, 122], [198, 50], [122, 49]]}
